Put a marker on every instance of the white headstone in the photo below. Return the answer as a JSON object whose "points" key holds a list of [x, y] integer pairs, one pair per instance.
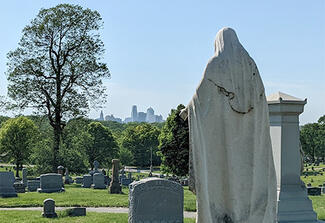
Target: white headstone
{"points": [[230, 141]]}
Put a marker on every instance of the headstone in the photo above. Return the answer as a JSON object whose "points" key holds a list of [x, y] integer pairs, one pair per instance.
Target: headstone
{"points": [[7, 180], [19, 187], [156, 200], [87, 181], [25, 177], [51, 182], [115, 187], [49, 208], [314, 191], [99, 181], [79, 180], [60, 170], [67, 178], [74, 212], [126, 181], [293, 202], [33, 185]]}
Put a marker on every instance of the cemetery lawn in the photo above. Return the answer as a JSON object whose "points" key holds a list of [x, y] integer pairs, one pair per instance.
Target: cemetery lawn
{"points": [[35, 217], [75, 196]]}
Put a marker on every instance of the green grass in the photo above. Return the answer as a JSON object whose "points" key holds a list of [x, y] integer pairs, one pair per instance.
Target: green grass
{"points": [[83, 197], [35, 217]]}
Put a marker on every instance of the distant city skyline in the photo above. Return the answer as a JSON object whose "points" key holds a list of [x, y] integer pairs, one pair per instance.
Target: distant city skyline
{"points": [[136, 116]]}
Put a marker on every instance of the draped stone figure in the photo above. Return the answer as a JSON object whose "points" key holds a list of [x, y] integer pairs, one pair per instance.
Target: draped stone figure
{"points": [[231, 158]]}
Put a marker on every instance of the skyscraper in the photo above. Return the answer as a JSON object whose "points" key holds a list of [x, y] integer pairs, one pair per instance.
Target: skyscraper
{"points": [[134, 113]]}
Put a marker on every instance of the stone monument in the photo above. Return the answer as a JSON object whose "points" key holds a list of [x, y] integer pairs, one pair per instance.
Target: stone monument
{"points": [[51, 182], [67, 178], [7, 180], [24, 177], [293, 202], [156, 200], [99, 181], [87, 181], [49, 208], [33, 185], [115, 187], [60, 170], [231, 158]]}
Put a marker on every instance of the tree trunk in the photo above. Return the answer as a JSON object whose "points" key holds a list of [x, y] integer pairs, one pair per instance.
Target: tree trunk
{"points": [[17, 169], [56, 147]]}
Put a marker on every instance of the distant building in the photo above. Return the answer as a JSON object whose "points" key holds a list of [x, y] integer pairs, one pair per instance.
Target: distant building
{"points": [[149, 117], [142, 116], [134, 113], [112, 118], [136, 116], [101, 116]]}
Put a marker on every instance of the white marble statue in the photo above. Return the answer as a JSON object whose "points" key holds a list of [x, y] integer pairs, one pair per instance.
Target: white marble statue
{"points": [[231, 153]]}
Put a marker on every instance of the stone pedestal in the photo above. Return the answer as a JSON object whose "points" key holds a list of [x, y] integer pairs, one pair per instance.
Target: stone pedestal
{"points": [[293, 202], [115, 187]]}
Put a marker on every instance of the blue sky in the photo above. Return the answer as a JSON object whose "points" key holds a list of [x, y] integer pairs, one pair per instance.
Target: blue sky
{"points": [[157, 50]]}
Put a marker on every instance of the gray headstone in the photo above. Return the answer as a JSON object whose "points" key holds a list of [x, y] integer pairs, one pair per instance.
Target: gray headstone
{"points": [[67, 178], [7, 180], [51, 182], [87, 181], [77, 212], [19, 187], [99, 181], [314, 191], [115, 187], [79, 180], [126, 181], [25, 177], [33, 185], [156, 200], [49, 208]]}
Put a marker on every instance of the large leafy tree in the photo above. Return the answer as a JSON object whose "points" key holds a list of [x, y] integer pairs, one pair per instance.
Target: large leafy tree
{"points": [[57, 68], [312, 138], [174, 144], [16, 140], [141, 140], [100, 144]]}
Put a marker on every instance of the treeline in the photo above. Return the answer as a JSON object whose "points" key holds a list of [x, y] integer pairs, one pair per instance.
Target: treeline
{"points": [[312, 138], [29, 140]]}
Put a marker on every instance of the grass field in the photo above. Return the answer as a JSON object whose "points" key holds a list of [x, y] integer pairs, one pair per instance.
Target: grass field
{"points": [[35, 217], [84, 197]]}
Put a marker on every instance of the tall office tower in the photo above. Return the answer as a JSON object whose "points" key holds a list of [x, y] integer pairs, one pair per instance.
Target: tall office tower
{"points": [[142, 117], [150, 115], [134, 113], [101, 117]]}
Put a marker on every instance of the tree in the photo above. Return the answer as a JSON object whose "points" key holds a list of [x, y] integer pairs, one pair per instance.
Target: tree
{"points": [[101, 144], [16, 138], [57, 68], [312, 138], [140, 140], [174, 144]]}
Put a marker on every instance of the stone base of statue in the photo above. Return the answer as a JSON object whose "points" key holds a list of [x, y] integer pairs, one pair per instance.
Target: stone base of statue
{"points": [[115, 188]]}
